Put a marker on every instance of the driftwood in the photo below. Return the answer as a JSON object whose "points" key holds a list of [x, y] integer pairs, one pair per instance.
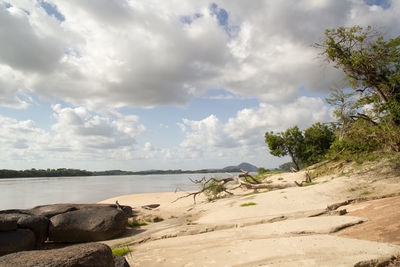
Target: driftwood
{"points": [[246, 183]]}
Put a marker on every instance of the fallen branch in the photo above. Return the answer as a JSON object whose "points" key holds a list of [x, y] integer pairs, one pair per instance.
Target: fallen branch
{"points": [[219, 185]]}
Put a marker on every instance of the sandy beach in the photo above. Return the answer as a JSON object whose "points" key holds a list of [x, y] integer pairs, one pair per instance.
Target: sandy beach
{"points": [[286, 227]]}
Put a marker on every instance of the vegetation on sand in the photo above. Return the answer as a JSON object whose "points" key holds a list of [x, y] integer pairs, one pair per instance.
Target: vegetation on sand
{"points": [[121, 251]]}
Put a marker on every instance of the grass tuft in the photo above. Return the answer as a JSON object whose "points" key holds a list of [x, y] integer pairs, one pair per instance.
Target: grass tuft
{"points": [[308, 184], [248, 204], [136, 224], [120, 251]]}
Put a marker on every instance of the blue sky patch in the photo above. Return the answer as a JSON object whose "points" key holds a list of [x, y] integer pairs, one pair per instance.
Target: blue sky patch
{"points": [[383, 3], [52, 10], [190, 19], [221, 14], [223, 19], [7, 5]]}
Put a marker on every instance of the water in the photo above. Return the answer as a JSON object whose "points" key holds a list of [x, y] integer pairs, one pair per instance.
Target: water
{"points": [[22, 193]]}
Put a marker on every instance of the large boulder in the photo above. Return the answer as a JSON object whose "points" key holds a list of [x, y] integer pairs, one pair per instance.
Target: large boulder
{"points": [[39, 225], [83, 255], [91, 223], [8, 223], [52, 210], [17, 240], [120, 261]]}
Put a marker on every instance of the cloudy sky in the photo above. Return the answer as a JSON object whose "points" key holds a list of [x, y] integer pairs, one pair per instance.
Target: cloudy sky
{"points": [[135, 85]]}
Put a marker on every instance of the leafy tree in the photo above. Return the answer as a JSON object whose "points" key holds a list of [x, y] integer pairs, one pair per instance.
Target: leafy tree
{"points": [[290, 142], [318, 139], [287, 167], [303, 148], [262, 170], [371, 65], [345, 110]]}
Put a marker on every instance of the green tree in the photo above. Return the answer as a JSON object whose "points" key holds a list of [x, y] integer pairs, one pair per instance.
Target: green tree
{"points": [[290, 142], [371, 65], [318, 139], [303, 148], [287, 167], [345, 109], [262, 170]]}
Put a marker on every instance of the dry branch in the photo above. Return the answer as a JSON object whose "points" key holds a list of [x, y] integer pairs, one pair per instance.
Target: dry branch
{"points": [[246, 183]]}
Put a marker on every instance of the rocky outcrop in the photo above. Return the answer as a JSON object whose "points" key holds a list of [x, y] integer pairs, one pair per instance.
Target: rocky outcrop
{"points": [[52, 210], [29, 229], [16, 240], [39, 225], [87, 224], [8, 223], [120, 261], [84, 255]]}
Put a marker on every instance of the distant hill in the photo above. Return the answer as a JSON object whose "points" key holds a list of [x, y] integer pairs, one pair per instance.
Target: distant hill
{"points": [[244, 166]]}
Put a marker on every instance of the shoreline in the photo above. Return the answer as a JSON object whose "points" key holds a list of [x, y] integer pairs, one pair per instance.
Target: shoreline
{"points": [[283, 227]]}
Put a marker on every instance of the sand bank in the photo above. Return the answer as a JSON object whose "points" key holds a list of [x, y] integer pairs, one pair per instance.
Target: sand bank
{"points": [[284, 227]]}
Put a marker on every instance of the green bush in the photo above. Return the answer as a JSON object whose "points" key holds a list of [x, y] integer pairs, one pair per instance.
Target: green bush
{"points": [[362, 139], [213, 189], [262, 170], [120, 251], [136, 223]]}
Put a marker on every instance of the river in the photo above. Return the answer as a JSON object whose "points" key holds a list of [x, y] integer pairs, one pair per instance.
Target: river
{"points": [[22, 193]]}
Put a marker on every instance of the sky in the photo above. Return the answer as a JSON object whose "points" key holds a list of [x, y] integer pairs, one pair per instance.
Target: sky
{"points": [[138, 85]]}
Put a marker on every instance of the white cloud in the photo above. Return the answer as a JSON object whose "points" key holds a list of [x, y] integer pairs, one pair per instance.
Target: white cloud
{"points": [[248, 128], [135, 53], [108, 54], [77, 135], [90, 131]]}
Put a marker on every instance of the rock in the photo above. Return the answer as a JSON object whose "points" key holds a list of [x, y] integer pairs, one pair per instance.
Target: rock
{"points": [[14, 211], [150, 206], [51, 210], [93, 223], [120, 261], [17, 240], [127, 210], [39, 225], [7, 223], [83, 255]]}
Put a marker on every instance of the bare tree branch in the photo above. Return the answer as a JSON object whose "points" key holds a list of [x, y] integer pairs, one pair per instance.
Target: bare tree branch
{"points": [[207, 185]]}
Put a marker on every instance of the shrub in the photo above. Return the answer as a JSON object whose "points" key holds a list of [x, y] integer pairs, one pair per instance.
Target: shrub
{"points": [[120, 251], [136, 223]]}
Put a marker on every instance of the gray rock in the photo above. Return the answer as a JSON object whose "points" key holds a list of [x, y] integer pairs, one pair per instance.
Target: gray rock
{"points": [[83, 255], [14, 211], [17, 240], [7, 223], [93, 223], [120, 261], [38, 224], [127, 210], [51, 210]]}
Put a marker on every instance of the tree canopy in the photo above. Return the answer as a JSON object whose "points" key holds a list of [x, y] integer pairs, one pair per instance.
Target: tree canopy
{"points": [[367, 108], [304, 148], [371, 65]]}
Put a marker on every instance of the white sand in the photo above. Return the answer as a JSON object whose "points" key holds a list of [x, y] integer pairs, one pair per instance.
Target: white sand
{"points": [[275, 232]]}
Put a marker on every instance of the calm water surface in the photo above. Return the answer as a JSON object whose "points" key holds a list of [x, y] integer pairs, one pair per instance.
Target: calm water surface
{"points": [[24, 193]]}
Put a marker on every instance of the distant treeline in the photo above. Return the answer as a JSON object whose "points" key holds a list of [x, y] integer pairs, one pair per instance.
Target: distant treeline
{"points": [[75, 172], [43, 173]]}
